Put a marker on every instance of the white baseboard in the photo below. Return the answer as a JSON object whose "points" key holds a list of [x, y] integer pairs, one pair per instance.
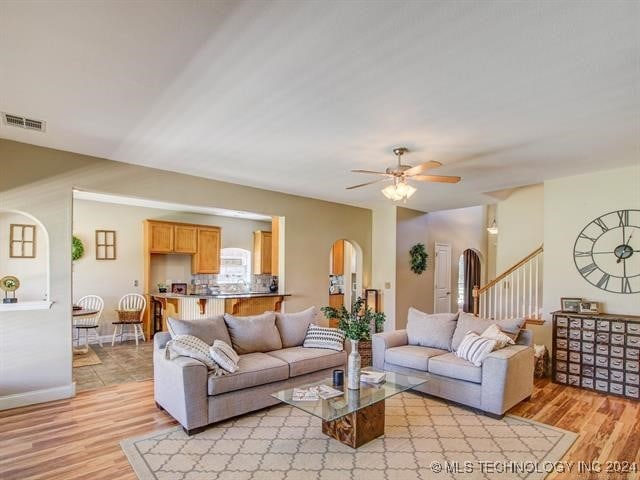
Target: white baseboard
{"points": [[37, 396]]}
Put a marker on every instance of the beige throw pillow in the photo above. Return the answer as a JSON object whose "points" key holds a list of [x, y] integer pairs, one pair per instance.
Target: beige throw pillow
{"points": [[475, 348], [431, 330], [293, 326], [256, 333], [467, 322], [190, 346], [494, 333], [224, 356]]}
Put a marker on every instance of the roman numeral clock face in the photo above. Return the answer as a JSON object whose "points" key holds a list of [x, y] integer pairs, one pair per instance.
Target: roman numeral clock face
{"points": [[607, 252]]}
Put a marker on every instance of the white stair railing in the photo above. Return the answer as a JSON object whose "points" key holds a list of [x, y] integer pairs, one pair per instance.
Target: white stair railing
{"points": [[515, 293]]}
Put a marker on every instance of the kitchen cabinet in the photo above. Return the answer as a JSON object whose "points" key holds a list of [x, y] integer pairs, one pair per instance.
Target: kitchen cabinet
{"points": [[262, 253], [337, 258], [185, 239], [167, 237], [336, 300], [207, 256], [160, 237]]}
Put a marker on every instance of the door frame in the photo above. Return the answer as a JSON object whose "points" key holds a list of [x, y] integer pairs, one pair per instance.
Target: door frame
{"points": [[435, 275]]}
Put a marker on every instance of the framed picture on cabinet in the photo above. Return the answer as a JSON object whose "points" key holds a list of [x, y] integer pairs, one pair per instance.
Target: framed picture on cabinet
{"points": [[570, 304], [589, 307], [179, 288]]}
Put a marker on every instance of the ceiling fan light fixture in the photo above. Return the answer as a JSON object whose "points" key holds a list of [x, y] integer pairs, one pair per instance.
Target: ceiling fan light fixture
{"points": [[399, 191]]}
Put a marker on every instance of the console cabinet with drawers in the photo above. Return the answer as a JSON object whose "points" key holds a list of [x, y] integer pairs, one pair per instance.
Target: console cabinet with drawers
{"points": [[597, 352]]}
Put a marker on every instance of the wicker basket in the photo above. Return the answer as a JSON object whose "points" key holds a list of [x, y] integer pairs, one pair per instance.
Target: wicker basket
{"points": [[364, 349], [129, 315]]}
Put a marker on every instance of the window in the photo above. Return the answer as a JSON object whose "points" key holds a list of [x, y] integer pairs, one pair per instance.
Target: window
{"points": [[235, 266]]}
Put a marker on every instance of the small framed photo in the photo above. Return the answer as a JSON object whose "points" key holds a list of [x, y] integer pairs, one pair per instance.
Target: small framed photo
{"points": [[589, 307], [570, 305], [179, 288]]}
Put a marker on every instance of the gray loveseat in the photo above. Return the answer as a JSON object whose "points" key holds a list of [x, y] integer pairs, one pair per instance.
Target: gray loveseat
{"points": [[196, 398], [504, 379]]}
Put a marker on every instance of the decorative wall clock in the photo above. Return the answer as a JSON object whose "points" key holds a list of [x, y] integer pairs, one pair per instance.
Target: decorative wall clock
{"points": [[607, 252]]}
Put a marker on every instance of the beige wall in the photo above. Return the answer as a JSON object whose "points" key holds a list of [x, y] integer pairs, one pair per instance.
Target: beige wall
{"points": [[384, 264], [39, 181], [114, 278], [461, 228], [32, 272], [520, 219], [569, 204]]}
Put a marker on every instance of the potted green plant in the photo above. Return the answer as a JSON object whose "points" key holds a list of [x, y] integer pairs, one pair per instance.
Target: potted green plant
{"points": [[357, 326], [162, 287]]}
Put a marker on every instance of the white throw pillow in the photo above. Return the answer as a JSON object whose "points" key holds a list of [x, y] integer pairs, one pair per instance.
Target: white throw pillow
{"points": [[324, 337], [190, 346], [475, 348], [501, 338], [225, 356]]}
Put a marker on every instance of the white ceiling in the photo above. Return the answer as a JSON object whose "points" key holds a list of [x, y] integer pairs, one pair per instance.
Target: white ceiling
{"points": [[290, 96]]}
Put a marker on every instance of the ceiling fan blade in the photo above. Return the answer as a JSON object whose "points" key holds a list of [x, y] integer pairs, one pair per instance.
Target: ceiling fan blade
{"points": [[372, 172], [423, 167], [365, 184], [436, 178]]}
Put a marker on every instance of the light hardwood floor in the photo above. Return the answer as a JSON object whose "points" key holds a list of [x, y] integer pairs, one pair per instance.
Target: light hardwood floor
{"points": [[79, 438]]}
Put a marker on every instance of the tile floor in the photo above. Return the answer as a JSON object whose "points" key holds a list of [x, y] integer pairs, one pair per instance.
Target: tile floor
{"points": [[122, 363]]}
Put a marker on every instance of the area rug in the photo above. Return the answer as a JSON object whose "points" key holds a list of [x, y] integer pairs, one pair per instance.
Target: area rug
{"points": [[424, 438], [86, 359]]}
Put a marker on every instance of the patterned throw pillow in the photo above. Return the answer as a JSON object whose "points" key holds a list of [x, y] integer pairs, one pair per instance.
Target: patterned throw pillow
{"points": [[190, 346], [501, 338], [475, 348], [324, 337], [225, 356]]}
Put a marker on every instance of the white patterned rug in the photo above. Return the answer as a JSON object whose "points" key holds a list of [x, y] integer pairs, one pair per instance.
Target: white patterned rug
{"points": [[422, 436]]}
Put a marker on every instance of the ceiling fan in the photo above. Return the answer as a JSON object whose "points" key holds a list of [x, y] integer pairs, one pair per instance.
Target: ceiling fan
{"points": [[400, 189]]}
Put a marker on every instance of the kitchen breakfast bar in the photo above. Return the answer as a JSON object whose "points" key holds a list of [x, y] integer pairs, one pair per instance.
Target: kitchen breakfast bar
{"points": [[192, 307]]}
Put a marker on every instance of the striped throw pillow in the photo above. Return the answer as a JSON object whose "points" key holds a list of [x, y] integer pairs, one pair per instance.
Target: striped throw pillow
{"points": [[190, 346], [324, 337], [475, 348], [225, 356]]}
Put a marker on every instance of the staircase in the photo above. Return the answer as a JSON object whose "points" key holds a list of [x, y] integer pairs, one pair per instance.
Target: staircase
{"points": [[515, 293]]}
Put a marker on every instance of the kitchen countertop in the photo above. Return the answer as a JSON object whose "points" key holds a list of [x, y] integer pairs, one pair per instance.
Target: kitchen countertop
{"points": [[222, 296]]}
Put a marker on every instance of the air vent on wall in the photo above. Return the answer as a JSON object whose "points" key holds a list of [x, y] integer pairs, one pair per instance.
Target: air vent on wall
{"points": [[23, 122]]}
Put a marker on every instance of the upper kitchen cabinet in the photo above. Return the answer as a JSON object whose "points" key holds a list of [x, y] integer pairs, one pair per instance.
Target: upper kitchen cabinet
{"points": [[185, 239], [167, 237], [262, 253], [337, 258], [207, 258], [160, 236]]}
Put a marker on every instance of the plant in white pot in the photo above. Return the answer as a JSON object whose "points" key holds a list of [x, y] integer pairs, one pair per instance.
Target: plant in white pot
{"points": [[357, 326]]}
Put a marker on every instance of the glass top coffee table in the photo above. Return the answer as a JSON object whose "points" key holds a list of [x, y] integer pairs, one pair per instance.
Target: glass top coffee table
{"points": [[357, 416]]}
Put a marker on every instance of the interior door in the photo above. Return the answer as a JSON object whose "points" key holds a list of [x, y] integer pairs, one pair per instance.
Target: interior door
{"points": [[442, 278]]}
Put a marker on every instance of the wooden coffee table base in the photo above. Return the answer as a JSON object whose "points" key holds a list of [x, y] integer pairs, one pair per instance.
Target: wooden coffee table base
{"points": [[357, 428]]}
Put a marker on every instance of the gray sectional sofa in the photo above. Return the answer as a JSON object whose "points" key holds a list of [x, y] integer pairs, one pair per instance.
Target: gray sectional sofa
{"points": [[271, 358], [504, 379]]}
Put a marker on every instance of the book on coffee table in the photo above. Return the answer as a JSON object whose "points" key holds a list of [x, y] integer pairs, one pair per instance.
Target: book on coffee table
{"points": [[315, 393], [372, 377]]}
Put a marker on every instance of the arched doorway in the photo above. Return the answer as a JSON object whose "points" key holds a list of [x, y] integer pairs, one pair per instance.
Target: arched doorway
{"points": [[469, 274], [345, 274]]}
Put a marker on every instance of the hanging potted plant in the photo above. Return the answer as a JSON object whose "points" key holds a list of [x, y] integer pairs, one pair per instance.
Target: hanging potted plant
{"points": [[357, 326]]}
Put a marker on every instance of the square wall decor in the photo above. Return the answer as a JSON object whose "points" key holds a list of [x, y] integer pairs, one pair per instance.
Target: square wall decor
{"points": [[22, 241], [105, 245]]}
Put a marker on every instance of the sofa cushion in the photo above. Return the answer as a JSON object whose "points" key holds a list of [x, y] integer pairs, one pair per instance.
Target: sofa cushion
{"points": [[467, 322], [324, 337], [452, 366], [434, 330], [293, 326], [412, 356], [257, 333], [253, 369], [206, 329], [475, 348], [304, 360]]}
